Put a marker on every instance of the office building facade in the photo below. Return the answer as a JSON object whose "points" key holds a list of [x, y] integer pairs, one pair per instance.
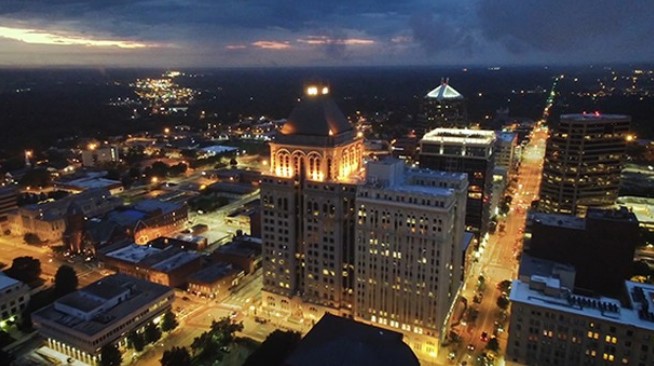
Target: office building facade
{"points": [[308, 212], [443, 107], [104, 312], [583, 160], [409, 250], [551, 325], [465, 151]]}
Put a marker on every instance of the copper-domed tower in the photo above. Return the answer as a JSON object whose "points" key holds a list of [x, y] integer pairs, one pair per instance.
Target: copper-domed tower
{"points": [[308, 211]]}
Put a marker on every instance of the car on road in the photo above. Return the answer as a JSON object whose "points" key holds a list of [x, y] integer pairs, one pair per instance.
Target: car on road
{"points": [[484, 336], [471, 347], [451, 356]]}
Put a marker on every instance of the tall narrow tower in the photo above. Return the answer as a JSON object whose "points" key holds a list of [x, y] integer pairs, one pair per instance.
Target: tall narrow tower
{"points": [[308, 211]]}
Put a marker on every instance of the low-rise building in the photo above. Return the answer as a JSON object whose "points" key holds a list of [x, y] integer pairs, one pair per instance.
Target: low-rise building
{"points": [[104, 312], [94, 156], [14, 296], [8, 201], [243, 252], [150, 219], [48, 220], [90, 182], [215, 281], [168, 266], [552, 325]]}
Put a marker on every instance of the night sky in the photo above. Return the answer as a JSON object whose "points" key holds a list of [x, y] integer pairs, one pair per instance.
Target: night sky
{"points": [[229, 33]]}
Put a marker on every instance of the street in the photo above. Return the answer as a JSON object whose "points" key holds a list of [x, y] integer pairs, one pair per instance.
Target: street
{"points": [[498, 261]]}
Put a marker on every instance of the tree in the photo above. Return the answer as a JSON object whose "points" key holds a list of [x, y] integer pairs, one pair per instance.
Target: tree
{"points": [[504, 286], [37, 177], [177, 169], [136, 341], [110, 355], [31, 239], [176, 356], [502, 302], [169, 321], [221, 334], [493, 345], [25, 269], [159, 169], [152, 333], [65, 281]]}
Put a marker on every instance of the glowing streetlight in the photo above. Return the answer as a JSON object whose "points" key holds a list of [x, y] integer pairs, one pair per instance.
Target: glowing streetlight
{"points": [[166, 130]]}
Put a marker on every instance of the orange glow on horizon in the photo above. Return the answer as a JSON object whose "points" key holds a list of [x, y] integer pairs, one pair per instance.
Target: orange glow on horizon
{"points": [[272, 45], [35, 36]]}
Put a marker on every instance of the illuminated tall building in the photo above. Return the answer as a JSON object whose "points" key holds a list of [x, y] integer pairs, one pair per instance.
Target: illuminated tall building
{"points": [[583, 162], [409, 250], [443, 107], [465, 151], [308, 215]]}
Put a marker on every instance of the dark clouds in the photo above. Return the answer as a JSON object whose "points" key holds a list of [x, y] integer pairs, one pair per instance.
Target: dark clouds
{"points": [[389, 32], [573, 28]]}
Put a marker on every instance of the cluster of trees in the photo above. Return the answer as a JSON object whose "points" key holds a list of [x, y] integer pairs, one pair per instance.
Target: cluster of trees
{"points": [[152, 333], [214, 160], [161, 169], [209, 345], [25, 269], [207, 202], [36, 177], [65, 282], [30, 198]]}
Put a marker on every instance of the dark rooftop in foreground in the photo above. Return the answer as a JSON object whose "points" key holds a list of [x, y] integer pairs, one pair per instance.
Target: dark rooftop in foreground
{"points": [[336, 341]]}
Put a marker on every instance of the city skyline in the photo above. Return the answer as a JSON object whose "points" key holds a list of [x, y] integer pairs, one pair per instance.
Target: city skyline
{"points": [[256, 33]]}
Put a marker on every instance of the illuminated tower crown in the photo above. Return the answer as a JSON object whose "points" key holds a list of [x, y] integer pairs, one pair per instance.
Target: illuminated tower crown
{"points": [[317, 142]]}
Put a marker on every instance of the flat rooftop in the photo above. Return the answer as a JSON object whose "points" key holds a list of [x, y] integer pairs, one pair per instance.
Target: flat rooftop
{"points": [[91, 182], [153, 204], [141, 294], [594, 117], [6, 281], [175, 261], [565, 221], [133, 253], [460, 135], [601, 308], [213, 273]]}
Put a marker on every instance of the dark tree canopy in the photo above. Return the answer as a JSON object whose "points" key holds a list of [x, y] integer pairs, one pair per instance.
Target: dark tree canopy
{"points": [[136, 341], [152, 333], [37, 177], [169, 321], [221, 334], [176, 356], [25, 269], [502, 302], [493, 345], [110, 356], [65, 281]]}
